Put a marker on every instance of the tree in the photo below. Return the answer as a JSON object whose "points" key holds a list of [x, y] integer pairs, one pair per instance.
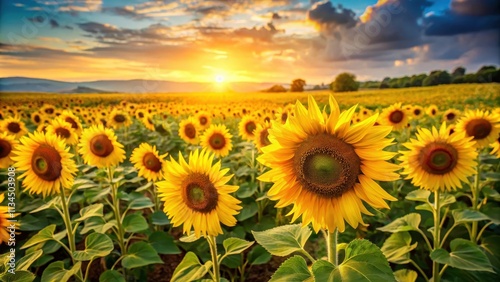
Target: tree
{"points": [[297, 85], [276, 88], [345, 82], [460, 71]]}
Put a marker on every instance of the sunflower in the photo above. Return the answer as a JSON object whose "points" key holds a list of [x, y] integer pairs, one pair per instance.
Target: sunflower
{"points": [[218, 140], [7, 144], [119, 118], [417, 111], [437, 160], [432, 110], [483, 126], [261, 136], [247, 126], [148, 162], [395, 116], [451, 115], [148, 122], [99, 147], [325, 167], [48, 110], [496, 147], [140, 113], [36, 118], [196, 194], [13, 126], [188, 130], [70, 118], [204, 120], [62, 129], [47, 163], [5, 215]]}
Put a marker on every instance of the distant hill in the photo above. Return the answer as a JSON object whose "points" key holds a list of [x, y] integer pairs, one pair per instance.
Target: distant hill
{"points": [[26, 84]]}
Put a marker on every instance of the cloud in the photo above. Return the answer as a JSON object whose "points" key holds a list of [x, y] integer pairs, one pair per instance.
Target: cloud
{"points": [[45, 19], [326, 14], [464, 16]]}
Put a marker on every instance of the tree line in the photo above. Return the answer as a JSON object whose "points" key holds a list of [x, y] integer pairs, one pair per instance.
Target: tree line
{"points": [[347, 81]]}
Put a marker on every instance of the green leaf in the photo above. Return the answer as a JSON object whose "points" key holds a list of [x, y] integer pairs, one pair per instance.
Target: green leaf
{"points": [[405, 275], [111, 276], [56, 272], [19, 276], [419, 195], [90, 211], [248, 211], [493, 213], [144, 187], [246, 190], [468, 215], [492, 176], [258, 255], [54, 202], [140, 203], [42, 236], [189, 238], [491, 246], [397, 247], [140, 254], [163, 243], [363, 262], [92, 224], [293, 269], [96, 245], [160, 218], [134, 222], [283, 240], [446, 199], [190, 269], [464, 255], [29, 258], [234, 246], [408, 222]]}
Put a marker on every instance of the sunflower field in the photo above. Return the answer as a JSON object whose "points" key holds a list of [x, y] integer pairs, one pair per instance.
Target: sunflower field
{"points": [[376, 185]]}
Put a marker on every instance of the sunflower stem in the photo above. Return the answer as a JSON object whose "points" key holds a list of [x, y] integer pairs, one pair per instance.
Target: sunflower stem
{"points": [[437, 243], [116, 206], [332, 247], [475, 194], [157, 203], [69, 228], [215, 260]]}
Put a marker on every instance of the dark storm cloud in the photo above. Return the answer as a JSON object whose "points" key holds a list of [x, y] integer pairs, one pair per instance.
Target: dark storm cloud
{"points": [[464, 16], [326, 14], [43, 20], [260, 34]]}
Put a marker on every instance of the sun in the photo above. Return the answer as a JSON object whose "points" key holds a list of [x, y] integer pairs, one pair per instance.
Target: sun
{"points": [[219, 78]]}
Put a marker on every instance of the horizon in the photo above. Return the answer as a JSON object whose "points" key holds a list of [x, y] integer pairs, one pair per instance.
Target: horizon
{"points": [[244, 41]]}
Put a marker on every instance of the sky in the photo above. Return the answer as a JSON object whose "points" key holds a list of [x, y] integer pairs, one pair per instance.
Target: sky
{"points": [[243, 40]]}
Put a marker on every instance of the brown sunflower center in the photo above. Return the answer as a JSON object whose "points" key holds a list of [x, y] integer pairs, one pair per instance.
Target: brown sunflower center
{"points": [[250, 127], [284, 117], [63, 132], [73, 123], [199, 193], [203, 120], [14, 127], [326, 166], [119, 118], [37, 118], [450, 116], [101, 146], [433, 111], [151, 162], [5, 148], [416, 112], [438, 158], [49, 111], [217, 141], [190, 131], [140, 114], [46, 163], [264, 138], [396, 116], [479, 128]]}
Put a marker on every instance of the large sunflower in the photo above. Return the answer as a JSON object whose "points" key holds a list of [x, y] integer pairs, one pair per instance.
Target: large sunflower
{"points": [[395, 116], [62, 129], [188, 130], [196, 194], [437, 160], [47, 163], [13, 126], [481, 125], [7, 145], [217, 139], [148, 162], [70, 118], [99, 147], [247, 126], [325, 167]]}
